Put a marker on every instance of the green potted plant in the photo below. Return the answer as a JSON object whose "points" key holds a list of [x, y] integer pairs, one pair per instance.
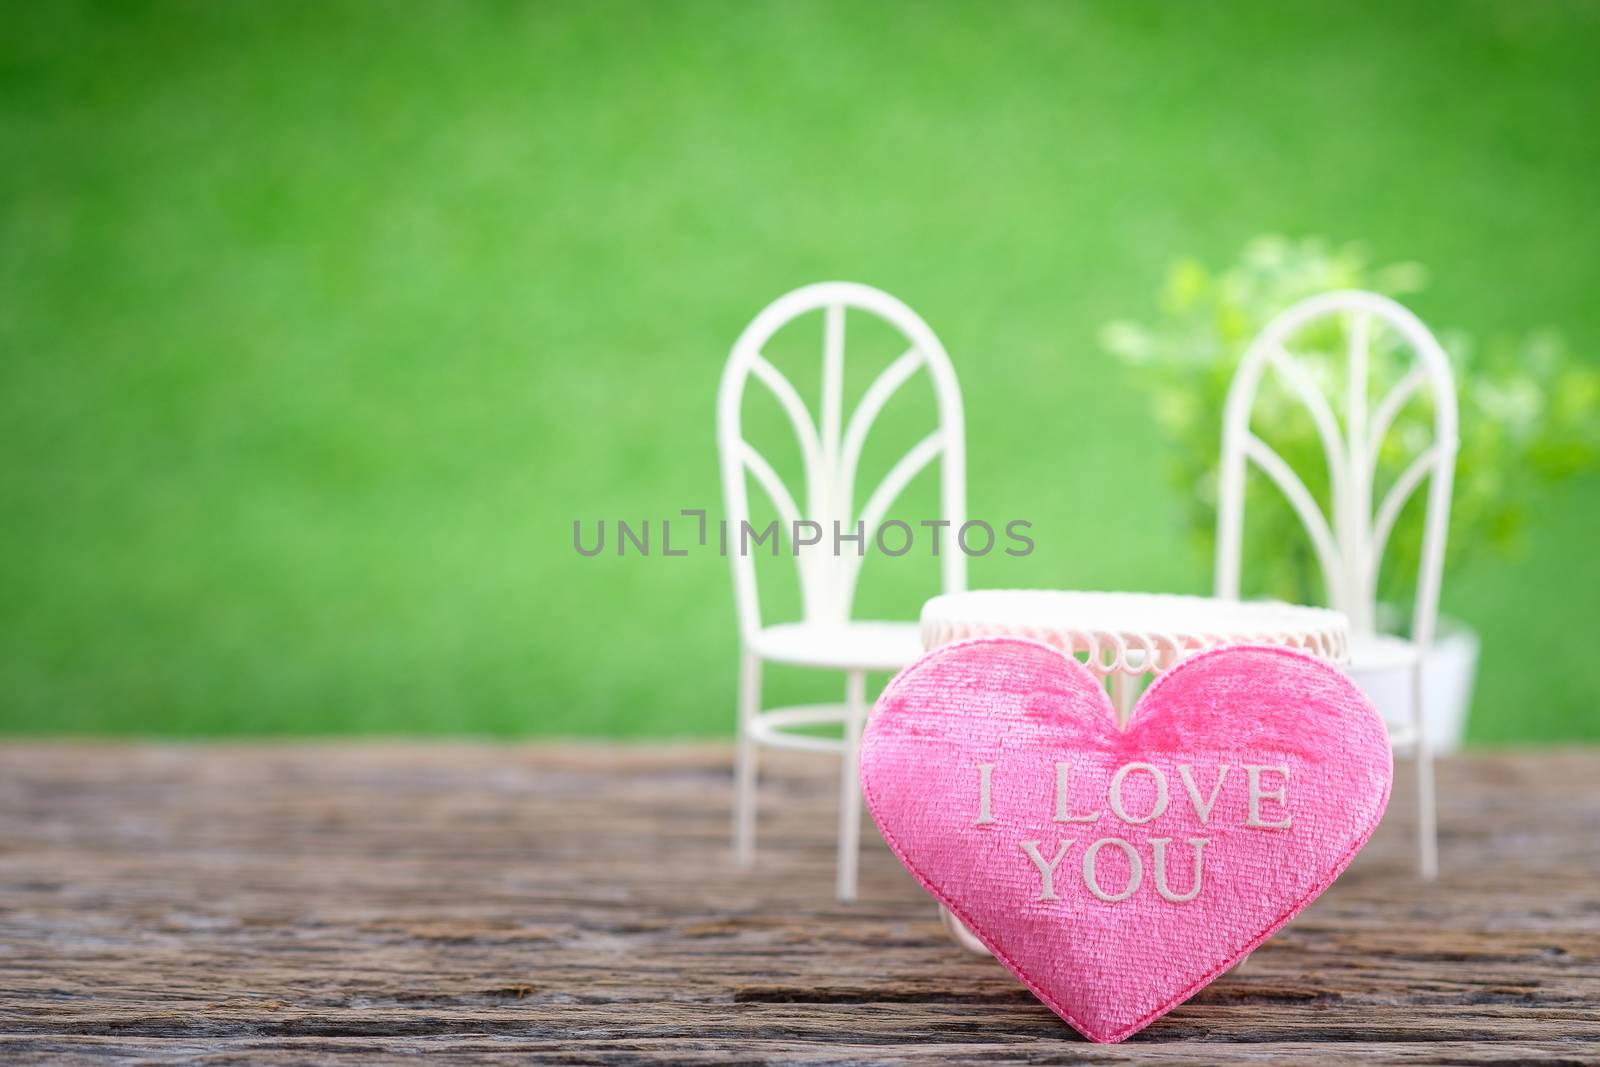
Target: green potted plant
{"points": [[1528, 414]]}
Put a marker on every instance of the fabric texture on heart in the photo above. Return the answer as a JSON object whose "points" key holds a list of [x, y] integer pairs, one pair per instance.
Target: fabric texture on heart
{"points": [[1117, 871]]}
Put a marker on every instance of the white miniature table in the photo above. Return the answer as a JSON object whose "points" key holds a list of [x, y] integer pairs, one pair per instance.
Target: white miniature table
{"points": [[1127, 637]]}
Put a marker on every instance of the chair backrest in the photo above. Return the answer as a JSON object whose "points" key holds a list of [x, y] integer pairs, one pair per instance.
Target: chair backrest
{"points": [[831, 447], [1350, 548]]}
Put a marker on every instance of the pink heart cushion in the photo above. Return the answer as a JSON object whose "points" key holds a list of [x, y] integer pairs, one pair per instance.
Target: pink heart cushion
{"points": [[1118, 871]]}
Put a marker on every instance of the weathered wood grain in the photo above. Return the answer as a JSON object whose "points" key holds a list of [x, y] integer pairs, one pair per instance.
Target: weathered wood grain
{"points": [[577, 904]]}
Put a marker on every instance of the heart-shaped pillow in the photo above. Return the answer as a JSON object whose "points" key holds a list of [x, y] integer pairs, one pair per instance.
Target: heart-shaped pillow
{"points": [[1115, 871]]}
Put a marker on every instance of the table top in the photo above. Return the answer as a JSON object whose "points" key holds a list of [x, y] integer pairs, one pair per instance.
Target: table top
{"points": [[270, 904], [1133, 632]]}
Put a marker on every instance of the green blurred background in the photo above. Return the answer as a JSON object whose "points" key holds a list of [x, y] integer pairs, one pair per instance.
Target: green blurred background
{"points": [[320, 324]]}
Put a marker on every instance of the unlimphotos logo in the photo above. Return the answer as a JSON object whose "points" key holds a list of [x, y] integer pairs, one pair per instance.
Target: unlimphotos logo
{"points": [[892, 537]]}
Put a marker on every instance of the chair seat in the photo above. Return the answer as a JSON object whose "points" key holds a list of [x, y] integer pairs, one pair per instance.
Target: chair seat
{"points": [[1402, 738], [848, 646], [1381, 665], [1375, 653]]}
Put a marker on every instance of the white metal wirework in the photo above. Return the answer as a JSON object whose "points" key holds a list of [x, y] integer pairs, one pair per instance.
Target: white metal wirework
{"points": [[830, 448], [1350, 547], [1132, 634]]}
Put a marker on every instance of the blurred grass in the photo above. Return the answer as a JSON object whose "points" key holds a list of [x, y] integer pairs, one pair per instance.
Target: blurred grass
{"points": [[322, 323]]}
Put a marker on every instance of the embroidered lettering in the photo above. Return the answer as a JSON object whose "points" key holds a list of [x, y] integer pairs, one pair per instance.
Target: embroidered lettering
{"points": [[1280, 795], [985, 773], [1092, 880], [1063, 773], [1202, 809], [1047, 871], [1115, 795], [1159, 846]]}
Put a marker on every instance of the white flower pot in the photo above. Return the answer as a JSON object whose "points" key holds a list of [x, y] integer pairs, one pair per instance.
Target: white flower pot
{"points": [[1448, 673]]}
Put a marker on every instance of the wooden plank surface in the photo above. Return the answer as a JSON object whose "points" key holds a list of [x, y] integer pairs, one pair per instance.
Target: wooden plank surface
{"points": [[577, 904]]}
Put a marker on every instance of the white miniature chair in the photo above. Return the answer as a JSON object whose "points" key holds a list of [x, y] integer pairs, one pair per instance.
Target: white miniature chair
{"points": [[1350, 551], [826, 637]]}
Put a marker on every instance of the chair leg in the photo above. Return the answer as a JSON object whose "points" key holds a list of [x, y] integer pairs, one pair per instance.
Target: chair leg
{"points": [[850, 784], [1123, 686], [747, 754], [1427, 828]]}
